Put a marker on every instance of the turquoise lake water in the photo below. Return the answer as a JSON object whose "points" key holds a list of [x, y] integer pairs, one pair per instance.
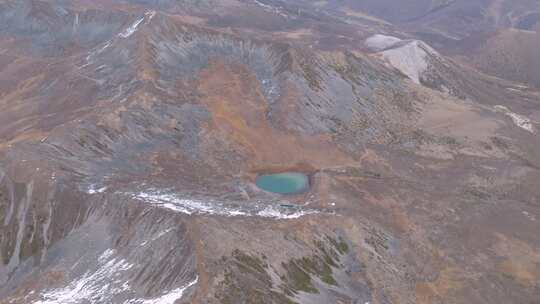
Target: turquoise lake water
{"points": [[283, 183]]}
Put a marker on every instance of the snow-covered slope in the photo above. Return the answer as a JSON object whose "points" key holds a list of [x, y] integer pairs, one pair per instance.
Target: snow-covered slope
{"points": [[380, 42], [411, 57]]}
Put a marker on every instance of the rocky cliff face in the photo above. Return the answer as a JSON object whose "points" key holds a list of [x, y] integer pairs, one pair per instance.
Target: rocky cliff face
{"points": [[132, 132]]}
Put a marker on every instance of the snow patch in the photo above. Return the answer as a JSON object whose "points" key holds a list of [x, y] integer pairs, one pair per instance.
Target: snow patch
{"points": [[98, 286], [519, 120], [131, 29], [408, 56], [104, 47], [410, 59], [265, 6], [269, 8], [193, 206], [531, 217], [168, 298], [93, 189], [105, 256], [94, 53], [273, 212], [75, 22], [187, 206], [162, 233], [380, 42], [150, 14]]}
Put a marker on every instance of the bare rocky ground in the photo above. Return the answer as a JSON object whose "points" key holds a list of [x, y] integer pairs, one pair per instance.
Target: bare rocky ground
{"points": [[132, 132]]}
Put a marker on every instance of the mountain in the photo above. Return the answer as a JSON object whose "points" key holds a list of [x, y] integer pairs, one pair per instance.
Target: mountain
{"points": [[508, 54], [133, 133], [444, 19]]}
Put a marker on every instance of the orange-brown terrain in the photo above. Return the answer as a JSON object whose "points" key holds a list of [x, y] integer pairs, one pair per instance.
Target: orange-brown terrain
{"points": [[133, 134]]}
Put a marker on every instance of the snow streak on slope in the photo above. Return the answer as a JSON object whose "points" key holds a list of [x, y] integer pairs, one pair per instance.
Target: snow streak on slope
{"points": [[98, 286], [130, 30], [519, 120], [168, 298], [162, 233], [271, 9], [133, 28], [196, 206]]}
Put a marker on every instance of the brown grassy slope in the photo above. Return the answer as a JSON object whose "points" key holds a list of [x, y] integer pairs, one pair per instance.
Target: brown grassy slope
{"points": [[511, 54]]}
